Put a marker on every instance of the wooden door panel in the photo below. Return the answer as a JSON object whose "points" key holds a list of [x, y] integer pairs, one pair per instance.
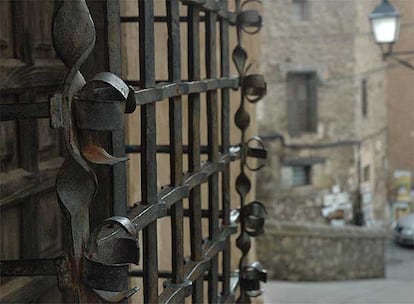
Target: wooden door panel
{"points": [[8, 146], [10, 234], [50, 233], [39, 28], [17, 76], [30, 150], [6, 32], [28, 57]]}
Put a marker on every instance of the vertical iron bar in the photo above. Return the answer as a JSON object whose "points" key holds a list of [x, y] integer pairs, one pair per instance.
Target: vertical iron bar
{"points": [[194, 143], [119, 179], [117, 137], [148, 144], [212, 126], [176, 152], [225, 137]]}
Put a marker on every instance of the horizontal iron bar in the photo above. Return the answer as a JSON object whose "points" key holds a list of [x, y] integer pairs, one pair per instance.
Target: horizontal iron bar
{"points": [[24, 111], [196, 269], [230, 16], [142, 215], [204, 213], [164, 91], [47, 267], [163, 274], [251, 152], [209, 5], [139, 83], [214, 6], [127, 19], [158, 93]]}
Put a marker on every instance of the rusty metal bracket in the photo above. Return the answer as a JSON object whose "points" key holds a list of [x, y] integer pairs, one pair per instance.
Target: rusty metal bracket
{"points": [[249, 21], [123, 248], [254, 87], [107, 259], [101, 103], [254, 215], [250, 278], [258, 153]]}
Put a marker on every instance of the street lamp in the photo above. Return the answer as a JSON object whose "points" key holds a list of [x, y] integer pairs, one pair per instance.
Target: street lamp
{"points": [[385, 23]]}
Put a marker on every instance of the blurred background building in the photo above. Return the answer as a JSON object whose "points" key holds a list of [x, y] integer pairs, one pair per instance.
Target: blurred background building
{"points": [[400, 118], [327, 129], [325, 115]]}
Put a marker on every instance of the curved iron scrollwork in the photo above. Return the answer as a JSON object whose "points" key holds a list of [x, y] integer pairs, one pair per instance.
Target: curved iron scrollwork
{"points": [[97, 269], [96, 263], [252, 216]]}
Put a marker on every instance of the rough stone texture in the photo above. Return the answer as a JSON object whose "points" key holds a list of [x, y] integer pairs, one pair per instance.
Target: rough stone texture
{"points": [[400, 100], [304, 203], [336, 43], [309, 252]]}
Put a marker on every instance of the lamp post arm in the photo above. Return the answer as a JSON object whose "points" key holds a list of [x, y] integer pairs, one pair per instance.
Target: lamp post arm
{"points": [[400, 53], [401, 61]]}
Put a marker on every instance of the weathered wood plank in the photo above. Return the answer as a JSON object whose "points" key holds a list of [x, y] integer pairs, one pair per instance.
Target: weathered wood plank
{"points": [[16, 75], [30, 217], [6, 31], [9, 232], [26, 289], [8, 146], [19, 184]]}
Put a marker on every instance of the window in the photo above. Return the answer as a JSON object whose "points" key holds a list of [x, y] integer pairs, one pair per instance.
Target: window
{"points": [[302, 103], [301, 175], [364, 98], [300, 10], [367, 173]]}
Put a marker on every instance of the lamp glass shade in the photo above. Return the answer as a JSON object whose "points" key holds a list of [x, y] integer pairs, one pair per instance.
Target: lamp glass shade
{"points": [[385, 23], [385, 29]]}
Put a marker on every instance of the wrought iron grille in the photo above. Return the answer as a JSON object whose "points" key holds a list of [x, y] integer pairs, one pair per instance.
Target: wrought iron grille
{"points": [[96, 263]]}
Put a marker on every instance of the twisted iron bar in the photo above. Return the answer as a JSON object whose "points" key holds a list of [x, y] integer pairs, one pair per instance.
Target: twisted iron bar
{"points": [[253, 88], [89, 106], [76, 183]]}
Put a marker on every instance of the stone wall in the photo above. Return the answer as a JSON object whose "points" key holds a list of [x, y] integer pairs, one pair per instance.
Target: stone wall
{"points": [[335, 42], [311, 252], [305, 203], [400, 92]]}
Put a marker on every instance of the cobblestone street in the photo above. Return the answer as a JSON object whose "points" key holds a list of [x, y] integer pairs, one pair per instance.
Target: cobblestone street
{"points": [[396, 288]]}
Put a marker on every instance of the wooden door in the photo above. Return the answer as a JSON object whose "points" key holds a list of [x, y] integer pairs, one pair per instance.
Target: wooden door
{"points": [[30, 151]]}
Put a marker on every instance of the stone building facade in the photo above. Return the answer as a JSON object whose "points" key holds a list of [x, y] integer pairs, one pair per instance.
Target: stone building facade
{"points": [[400, 116], [324, 124], [400, 95], [324, 119]]}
